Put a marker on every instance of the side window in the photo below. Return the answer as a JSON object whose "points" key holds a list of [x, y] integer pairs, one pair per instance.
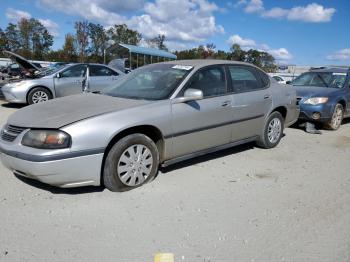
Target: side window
{"points": [[244, 79], [74, 71], [210, 80], [96, 70]]}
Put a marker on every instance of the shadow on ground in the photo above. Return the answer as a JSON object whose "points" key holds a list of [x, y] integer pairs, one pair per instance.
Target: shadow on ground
{"points": [[208, 157], [13, 105], [57, 190]]}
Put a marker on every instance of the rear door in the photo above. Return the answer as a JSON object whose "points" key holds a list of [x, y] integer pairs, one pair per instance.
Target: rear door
{"points": [[252, 100], [206, 123], [101, 77], [70, 80]]}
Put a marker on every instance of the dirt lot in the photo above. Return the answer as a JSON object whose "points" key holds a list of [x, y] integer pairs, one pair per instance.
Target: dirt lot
{"points": [[291, 203]]}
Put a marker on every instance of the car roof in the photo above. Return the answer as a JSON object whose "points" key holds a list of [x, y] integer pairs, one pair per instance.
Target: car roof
{"points": [[205, 62], [331, 70]]}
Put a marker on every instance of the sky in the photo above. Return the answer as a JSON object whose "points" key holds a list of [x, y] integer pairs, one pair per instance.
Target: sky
{"points": [[300, 32]]}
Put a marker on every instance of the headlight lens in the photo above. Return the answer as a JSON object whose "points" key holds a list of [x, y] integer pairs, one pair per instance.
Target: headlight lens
{"points": [[316, 100], [46, 139]]}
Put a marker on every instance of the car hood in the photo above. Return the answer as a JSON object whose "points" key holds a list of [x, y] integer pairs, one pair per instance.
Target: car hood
{"points": [[63, 111], [314, 91], [21, 61]]}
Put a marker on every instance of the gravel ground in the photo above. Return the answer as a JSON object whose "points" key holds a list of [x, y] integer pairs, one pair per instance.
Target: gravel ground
{"points": [[291, 203]]}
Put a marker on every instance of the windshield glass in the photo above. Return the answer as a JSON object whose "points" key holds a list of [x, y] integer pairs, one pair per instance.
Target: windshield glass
{"points": [[152, 82], [321, 79], [53, 69]]}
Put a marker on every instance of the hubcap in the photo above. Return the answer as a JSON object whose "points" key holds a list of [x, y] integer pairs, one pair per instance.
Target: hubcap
{"points": [[135, 165], [39, 96], [337, 117], [274, 130]]}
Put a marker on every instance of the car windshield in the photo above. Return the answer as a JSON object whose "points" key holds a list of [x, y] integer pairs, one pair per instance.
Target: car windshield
{"points": [[51, 70], [152, 82], [321, 79]]}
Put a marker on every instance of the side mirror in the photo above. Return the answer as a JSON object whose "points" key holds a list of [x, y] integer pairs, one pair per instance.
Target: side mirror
{"points": [[289, 82], [190, 95], [58, 75]]}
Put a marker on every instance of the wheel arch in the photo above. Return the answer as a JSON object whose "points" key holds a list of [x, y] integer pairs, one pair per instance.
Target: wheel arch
{"points": [[38, 86], [342, 102], [282, 110], [149, 130]]}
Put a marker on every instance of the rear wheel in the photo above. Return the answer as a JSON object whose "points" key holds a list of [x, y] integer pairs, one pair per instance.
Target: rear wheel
{"points": [[273, 131], [131, 162], [38, 95], [337, 118]]}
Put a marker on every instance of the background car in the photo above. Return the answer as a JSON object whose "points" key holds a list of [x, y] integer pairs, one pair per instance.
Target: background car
{"points": [[158, 114], [324, 96], [279, 79], [64, 81]]}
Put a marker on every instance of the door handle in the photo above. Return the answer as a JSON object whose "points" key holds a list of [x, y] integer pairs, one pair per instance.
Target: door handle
{"points": [[226, 103], [267, 96]]}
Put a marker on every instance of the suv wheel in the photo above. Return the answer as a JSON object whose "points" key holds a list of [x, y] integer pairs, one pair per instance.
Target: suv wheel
{"points": [[273, 131], [131, 162], [38, 95], [337, 118]]}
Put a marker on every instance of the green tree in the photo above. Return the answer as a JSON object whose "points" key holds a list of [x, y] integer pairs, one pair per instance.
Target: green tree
{"points": [[69, 52], [237, 53], [82, 38], [123, 34], [158, 42], [98, 42], [41, 40], [12, 36]]}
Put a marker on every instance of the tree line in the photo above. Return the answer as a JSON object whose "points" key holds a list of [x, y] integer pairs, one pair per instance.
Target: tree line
{"points": [[89, 42]]}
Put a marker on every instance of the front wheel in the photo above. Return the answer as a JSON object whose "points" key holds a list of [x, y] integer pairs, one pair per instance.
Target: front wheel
{"points": [[38, 95], [131, 162], [273, 131], [337, 118]]}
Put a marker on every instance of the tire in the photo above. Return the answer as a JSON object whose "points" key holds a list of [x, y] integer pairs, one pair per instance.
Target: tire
{"points": [[121, 172], [273, 131], [38, 95], [337, 118]]}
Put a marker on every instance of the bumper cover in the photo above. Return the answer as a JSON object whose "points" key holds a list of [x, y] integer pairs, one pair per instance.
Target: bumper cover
{"points": [[68, 172]]}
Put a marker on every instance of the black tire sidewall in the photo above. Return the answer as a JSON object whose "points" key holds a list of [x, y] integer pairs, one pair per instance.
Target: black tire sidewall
{"points": [[36, 89], [110, 174]]}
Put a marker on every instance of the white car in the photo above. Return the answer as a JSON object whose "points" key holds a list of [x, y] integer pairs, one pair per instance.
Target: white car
{"points": [[280, 79]]}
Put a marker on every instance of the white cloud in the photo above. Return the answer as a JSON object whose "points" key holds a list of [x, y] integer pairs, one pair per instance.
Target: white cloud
{"points": [[51, 26], [311, 13], [246, 44], [343, 54], [280, 54], [14, 14], [254, 6], [178, 20]]}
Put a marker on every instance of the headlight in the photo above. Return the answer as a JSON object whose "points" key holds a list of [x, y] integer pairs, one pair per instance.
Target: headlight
{"points": [[46, 139], [316, 100]]}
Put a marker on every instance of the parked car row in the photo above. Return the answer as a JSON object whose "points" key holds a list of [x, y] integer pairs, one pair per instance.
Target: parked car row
{"points": [[57, 81], [158, 115]]}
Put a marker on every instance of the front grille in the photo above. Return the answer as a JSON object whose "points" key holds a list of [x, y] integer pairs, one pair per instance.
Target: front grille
{"points": [[10, 133]]}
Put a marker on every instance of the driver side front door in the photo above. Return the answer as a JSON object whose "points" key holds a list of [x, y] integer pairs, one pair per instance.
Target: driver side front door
{"points": [[70, 81]]}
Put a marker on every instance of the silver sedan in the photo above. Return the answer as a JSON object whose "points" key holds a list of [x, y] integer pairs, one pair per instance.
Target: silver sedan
{"points": [[157, 115], [67, 80]]}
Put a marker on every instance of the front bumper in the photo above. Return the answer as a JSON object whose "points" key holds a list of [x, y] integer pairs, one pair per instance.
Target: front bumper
{"points": [[316, 113], [57, 167], [14, 94], [69, 172]]}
